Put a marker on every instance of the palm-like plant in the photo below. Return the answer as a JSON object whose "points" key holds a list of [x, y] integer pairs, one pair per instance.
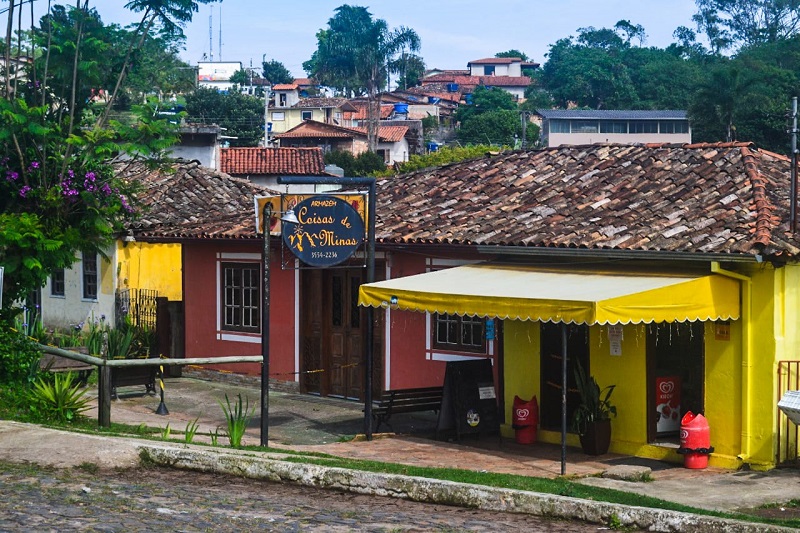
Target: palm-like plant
{"points": [[595, 403], [354, 53]]}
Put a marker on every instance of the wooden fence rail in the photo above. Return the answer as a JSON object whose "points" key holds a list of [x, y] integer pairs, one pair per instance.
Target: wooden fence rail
{"points": [[104, 371]]}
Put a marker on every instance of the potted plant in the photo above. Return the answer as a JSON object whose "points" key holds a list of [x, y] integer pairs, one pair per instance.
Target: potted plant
{"points": [[592, 418]]}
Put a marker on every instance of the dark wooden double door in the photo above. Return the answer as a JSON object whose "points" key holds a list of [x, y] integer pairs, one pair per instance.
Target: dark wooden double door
{"points": [[333, 333]]}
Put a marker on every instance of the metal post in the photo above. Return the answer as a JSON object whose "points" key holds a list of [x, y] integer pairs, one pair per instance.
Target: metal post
{"points": [[564, 398], [793, 185], [265, 257], [266, 117], [368, 353], [162, 407], [104, 388]]}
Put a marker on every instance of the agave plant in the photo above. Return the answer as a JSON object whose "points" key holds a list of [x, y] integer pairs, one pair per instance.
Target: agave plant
{"points": [[59, 398]]}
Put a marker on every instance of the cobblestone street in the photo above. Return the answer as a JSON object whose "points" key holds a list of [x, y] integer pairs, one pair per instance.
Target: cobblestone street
{"points": [[46, 499]]}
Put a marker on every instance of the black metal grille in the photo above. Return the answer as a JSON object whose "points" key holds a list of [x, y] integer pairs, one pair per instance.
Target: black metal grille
{"points": [[136, 307]]}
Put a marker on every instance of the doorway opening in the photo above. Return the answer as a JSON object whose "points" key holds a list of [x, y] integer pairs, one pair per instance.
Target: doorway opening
{"points": [[675, 377], [551, 371]]}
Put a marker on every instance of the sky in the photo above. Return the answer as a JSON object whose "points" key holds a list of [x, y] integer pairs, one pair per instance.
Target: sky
{"points": [[452, 32]]}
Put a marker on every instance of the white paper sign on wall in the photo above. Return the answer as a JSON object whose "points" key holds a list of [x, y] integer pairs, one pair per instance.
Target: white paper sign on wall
{"points": [[615, 339]]}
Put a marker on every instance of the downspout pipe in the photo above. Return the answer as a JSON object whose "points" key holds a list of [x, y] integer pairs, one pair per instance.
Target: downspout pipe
{"points": [[747, 296]]}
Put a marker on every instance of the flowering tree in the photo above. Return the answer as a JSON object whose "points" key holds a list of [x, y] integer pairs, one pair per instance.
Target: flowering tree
{"points": [[59, 192]]}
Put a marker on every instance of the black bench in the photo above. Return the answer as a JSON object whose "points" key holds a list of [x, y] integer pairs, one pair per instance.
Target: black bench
{"points": [[56, 363], [405, 401]]}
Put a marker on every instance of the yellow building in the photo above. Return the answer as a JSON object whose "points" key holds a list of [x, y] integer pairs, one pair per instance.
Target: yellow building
{"points": [[610, 224]]}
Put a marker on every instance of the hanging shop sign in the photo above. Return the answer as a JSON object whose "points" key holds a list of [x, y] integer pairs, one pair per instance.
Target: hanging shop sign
{"points": [[328, 231], [280, 204]]}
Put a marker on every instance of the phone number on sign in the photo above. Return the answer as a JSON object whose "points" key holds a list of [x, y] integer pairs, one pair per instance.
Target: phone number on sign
{"points": [[326, 255]]}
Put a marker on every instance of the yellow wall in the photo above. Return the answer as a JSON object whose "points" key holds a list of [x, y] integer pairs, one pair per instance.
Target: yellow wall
{"points": [[522, 377], [628, 372], [153, 266]]}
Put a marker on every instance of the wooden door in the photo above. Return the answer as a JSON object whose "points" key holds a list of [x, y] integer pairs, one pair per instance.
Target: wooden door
{"points": [[345, 333]]}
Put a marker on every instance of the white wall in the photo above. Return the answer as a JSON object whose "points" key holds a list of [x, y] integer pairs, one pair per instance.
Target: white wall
{"points": [[398, 151], [558, 139], [70, 309]]}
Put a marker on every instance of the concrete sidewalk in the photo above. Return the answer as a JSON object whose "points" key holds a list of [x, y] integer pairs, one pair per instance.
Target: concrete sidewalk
{"points": [[308, 423]]}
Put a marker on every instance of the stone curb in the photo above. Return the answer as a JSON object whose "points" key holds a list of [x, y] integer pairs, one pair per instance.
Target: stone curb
{"points": [[260, 466]]}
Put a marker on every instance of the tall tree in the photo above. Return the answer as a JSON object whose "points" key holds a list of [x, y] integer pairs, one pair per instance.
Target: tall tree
{"points": [[593, 76], [240, 114], [61, 193], [276, 72], [353, 54], [493, 117], [165, 16], [748, 22], [409, 69], [513, 53]]}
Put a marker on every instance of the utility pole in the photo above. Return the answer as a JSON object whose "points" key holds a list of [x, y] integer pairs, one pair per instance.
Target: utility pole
{"points": [[267, 90]]}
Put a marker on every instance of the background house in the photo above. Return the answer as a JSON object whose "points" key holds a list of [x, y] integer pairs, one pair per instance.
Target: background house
{"points": [[325, 110], [264, 166], [393, 139], [217, 74], [588, 126], [504, 73], [198, 142]]}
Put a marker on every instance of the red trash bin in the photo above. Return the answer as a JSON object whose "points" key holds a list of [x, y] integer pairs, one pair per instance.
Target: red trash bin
{"points": [[525, 418], [695, 441]]}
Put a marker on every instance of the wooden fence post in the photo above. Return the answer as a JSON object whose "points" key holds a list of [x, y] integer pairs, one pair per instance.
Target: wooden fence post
{"points": [[104, 388]]}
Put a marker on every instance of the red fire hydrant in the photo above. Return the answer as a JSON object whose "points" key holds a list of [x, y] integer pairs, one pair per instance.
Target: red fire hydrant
{"points": [[695, 441], [525, 419]]}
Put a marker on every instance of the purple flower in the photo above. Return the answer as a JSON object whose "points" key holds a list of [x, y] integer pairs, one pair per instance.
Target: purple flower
{"points": [[71, 173], [125, 205], [24, 191], [34, 164], [105, 189], [11, 176], [90, 176]]}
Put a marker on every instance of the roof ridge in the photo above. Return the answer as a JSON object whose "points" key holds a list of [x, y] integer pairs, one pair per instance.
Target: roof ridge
{"points": [[763, 207]]}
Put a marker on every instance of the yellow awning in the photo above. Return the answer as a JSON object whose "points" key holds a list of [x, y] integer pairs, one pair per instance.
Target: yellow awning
{"points": [[556, 295]]}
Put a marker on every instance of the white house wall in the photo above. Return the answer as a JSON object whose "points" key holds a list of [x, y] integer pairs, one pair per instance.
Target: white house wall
{"points": [[398, 151], [71, 309]]}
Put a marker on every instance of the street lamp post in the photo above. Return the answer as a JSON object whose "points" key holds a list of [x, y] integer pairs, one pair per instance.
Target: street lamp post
{"points": [[265, 257]]}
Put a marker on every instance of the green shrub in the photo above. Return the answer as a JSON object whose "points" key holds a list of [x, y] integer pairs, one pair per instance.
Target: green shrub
{"points": [[19, 356], [59, 398]]}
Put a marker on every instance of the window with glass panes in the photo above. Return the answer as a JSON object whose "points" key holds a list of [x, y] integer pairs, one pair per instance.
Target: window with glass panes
{"points": [[643, 126], [459, 333], [89, 263], [241, 297], [57, 282]]}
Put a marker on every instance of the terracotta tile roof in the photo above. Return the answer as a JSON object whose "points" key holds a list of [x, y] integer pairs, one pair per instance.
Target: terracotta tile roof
{"points": [[448, 78], [285, 87], [390, 134], [361, 111], [505, 81], [470, 82], [312, 128], [304, 81], [192, 201], [496, 61], [321, 103], [724, 198], [273, 161]]}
